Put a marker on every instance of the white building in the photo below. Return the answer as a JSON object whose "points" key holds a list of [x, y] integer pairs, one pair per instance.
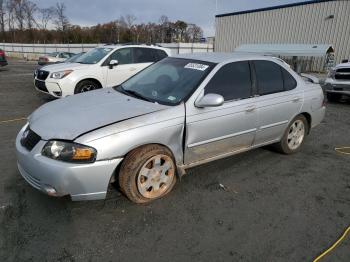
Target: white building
{"points": [[310, 22]]}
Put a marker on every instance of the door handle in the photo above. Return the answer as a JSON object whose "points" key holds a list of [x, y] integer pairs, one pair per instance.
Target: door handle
{"points": [[250, 109], [132, 69], [296, 99]]}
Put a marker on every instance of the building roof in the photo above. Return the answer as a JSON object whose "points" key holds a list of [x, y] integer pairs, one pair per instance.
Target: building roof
{"points": [[274, 7], [310, 50]]}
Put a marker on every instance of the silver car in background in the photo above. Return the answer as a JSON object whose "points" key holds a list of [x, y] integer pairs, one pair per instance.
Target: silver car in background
{"points": [[55, 57], [178, 113]]}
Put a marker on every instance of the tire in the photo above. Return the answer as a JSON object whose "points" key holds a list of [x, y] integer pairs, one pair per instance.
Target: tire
{"points": [[294, 136], [85, 86], [333, 97], [147, 173]]}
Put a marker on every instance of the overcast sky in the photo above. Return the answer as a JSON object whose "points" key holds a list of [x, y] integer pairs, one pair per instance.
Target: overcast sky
{"points": [[200, 12]]}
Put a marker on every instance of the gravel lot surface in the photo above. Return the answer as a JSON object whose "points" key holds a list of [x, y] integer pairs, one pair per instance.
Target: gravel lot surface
{"points": [[272, 207]]}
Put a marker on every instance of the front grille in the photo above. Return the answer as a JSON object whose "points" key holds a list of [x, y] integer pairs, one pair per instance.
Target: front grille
{"points": [[41, 85], [342, 74], [42, 74], [29, 139]]}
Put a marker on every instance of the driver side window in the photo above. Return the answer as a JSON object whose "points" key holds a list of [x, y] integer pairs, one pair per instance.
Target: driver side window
{"points": [[122, 55], [232, 81]]}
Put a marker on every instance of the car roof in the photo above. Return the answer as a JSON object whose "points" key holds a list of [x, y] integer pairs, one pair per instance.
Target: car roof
{"points": [[143, 46], [216, 57]]}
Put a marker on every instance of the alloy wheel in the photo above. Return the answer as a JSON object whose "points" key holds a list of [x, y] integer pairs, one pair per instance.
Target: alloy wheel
{"points": [[156, 176], [296, 134]]}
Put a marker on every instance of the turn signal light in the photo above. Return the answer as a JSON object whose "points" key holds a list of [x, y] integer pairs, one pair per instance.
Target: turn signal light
{"points": [[82, 154]]}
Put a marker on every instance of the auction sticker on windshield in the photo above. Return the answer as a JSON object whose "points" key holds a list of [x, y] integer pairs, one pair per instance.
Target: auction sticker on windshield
{"points": [[196, 66]]}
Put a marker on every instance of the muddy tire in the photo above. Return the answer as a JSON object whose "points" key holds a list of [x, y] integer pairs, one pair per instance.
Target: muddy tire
{"points": [[147, 173], [294, 136]]}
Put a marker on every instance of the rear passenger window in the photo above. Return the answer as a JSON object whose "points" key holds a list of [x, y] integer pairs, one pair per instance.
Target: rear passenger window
{"points": [[159, 54], [269, 77], [143, 55], [289, 81], [232, 81]]}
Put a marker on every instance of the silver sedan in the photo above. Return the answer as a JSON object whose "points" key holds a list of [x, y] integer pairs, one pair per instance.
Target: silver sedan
{"points": [[178, 113]]}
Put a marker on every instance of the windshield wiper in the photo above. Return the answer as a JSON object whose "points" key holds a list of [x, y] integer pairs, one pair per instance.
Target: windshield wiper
{"points": [[132, 93]]}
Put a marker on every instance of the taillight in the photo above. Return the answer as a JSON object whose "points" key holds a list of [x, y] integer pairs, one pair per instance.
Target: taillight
{"points": [[2, 53], [324, 102]]}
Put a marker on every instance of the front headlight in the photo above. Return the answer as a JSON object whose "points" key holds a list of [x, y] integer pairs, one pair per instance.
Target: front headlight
{"points": [[60, 74], [69, 152]]}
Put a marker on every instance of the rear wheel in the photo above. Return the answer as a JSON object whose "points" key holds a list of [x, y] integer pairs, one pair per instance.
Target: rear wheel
{"points": [[294, 136], [333, 97], [147, 173], [85, 86]]}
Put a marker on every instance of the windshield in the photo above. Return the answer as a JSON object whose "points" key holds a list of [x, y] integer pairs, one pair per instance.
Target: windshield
{"points": [[169, 81], [93, 56], [74, 58]]}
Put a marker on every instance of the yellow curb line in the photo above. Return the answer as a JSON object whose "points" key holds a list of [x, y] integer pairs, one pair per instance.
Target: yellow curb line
{"points": [[341, 150], [333, 246], [12, 120]]}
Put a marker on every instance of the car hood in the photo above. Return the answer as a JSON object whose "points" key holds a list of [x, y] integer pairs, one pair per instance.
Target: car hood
{"points": [[73, 116], [64, 66]]}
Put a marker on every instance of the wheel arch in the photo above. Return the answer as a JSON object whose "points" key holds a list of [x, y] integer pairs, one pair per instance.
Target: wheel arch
{"points": [[137, 147], [309, 120]]}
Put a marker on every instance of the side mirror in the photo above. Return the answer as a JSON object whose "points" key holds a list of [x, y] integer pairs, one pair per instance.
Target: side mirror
{"points": [[345, 61], [113, 63], [210, 100]]}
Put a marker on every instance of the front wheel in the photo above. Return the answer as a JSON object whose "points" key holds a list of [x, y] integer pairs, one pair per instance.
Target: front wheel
{"points": [[147, 173], [85, 86], [294, 136]]}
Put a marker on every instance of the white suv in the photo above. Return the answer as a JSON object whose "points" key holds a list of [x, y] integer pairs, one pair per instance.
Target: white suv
{"points": [[337, 83], [104, 66]]}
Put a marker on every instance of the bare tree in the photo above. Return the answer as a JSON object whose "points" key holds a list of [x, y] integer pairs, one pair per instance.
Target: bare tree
{"points": [[11, 18], [19, 13], [61, 20], [2, 16], [46, 15], [120, 25], [29, 10], [130, 19], [193, 33], [17, 16], [164, 25]]}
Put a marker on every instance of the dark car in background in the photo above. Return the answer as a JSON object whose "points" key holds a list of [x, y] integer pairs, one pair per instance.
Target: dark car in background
{"points": [[3, 61]]}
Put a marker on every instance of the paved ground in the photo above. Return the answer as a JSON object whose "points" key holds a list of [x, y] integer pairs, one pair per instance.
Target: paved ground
{"points": [[276, 208]]}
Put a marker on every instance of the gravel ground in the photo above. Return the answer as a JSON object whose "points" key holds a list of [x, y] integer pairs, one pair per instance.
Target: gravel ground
{"points": [[273, 208]]}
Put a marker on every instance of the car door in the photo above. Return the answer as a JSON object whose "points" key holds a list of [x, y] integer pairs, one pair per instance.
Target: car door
{"points": [[215, 131], [278, 101], [119, 73]]}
